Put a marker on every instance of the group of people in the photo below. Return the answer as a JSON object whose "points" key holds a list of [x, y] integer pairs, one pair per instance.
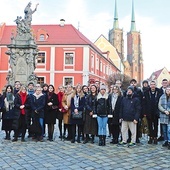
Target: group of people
{"points": [[83, 112]]}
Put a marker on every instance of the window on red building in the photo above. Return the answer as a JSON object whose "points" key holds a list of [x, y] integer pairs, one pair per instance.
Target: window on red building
{"points": [[92, 61], [69, 58], [42, 37], [40, 80], [68, 80], [41, 58]]}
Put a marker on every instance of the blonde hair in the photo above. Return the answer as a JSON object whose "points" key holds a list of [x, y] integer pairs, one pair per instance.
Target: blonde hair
{"points": [[118, 88], [75, 91], [22, 87]]}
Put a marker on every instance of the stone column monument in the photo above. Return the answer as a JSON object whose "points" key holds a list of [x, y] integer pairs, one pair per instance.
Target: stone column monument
{"points": [[22, 50]]}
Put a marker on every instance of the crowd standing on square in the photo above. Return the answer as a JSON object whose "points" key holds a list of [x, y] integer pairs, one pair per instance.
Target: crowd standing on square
{"points": [[84, 112]]}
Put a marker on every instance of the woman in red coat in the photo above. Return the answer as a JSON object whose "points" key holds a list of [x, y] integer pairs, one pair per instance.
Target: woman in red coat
{"points": [[22, 104]]}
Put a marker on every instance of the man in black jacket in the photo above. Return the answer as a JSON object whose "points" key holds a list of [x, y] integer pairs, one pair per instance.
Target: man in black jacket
{"points": [[129, 115], [137, 93], [150, 104]]}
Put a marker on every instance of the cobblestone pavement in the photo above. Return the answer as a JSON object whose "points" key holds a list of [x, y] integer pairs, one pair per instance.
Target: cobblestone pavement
{"points": [[65, 155]]}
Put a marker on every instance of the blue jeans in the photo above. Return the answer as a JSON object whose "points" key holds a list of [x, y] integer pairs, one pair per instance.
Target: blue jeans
{"points": [[41, 121], [102, 123], [166, 132]]}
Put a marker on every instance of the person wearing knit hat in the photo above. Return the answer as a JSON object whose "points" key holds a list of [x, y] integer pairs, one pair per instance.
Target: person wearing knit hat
{"points": [[130, 88], [102, 87], [102, 114], [129, 116], [145, 81]]}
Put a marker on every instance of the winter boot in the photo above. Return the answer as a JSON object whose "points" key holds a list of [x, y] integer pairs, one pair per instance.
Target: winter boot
{"points": [[104, 140], [150, 140], [100, 140]]}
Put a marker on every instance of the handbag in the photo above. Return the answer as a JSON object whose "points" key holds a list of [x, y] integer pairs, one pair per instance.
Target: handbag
{"points": [[78, 115]]}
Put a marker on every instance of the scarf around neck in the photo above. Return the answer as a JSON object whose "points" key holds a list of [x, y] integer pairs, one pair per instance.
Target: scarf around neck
{"points": [[23, 100], [9, 101], [38, 95]]}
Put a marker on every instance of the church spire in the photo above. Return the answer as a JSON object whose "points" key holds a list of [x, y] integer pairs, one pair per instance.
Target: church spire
{"points": [[116, 22], [133, 24]]}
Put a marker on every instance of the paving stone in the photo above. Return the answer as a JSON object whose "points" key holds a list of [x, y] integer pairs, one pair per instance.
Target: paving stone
{"points": [[65, 155]]}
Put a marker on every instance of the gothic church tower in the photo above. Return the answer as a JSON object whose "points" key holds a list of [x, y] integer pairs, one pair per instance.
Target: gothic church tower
{"points": [[134, 50], [116, 35]]}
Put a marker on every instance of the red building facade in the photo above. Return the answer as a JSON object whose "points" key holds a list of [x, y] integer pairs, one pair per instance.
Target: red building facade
{"points": [[65, 56]]}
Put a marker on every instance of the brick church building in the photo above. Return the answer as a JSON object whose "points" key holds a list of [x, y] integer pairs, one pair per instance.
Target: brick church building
{"points": [[133, 65]]}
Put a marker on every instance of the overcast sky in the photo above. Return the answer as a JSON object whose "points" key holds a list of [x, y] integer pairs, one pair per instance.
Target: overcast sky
{"points": [[95, 17]]}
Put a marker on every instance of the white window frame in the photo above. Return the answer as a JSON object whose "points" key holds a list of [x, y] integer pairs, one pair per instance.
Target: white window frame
{"points": [[73, 58], [97, 64], [92, 61], [107, 70], [42, 77], [104, 71], [42, 37], [101, 66], [44, 58], [64, 77]]}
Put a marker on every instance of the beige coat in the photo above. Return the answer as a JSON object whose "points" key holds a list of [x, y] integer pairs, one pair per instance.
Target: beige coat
{"points": [[66, 101]]}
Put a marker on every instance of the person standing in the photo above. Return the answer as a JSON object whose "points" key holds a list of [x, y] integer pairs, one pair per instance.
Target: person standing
{"points": [[51, 111], [164, 107], [162, 91], [137, 93], [129, 115], [30, 92], [38, 105], [150, 104], [7, 105], [85, 89], [114, 100], [17, 87], [102, 113], [66, 103], [60, 109], [44, 91], [22, 104], [90, 124], [77, 105]]}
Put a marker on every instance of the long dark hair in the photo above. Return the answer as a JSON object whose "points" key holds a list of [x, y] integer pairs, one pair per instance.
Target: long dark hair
{"points": [[12, 90], [95, 88]]}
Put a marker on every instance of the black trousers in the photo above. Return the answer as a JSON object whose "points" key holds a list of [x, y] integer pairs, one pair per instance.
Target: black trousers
{"points": [[79, 130], [115, 131], [153, 127]]}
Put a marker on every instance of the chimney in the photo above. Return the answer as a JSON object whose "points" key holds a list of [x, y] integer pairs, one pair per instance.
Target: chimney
{"points": [[62, 22]]}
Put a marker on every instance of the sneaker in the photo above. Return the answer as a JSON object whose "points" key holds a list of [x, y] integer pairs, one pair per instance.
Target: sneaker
{"points": [[122, 143], [131, 144]]}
